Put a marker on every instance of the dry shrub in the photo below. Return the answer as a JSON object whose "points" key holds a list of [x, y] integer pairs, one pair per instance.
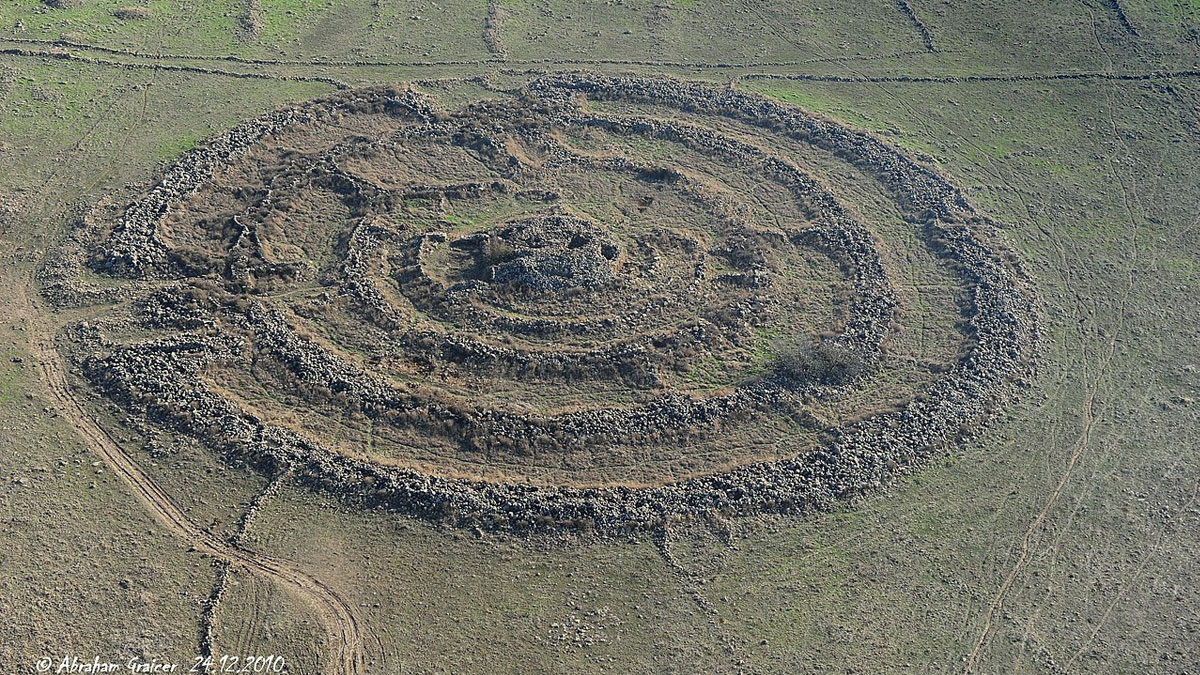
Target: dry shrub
{"points": [[498, 251], [132, 13], [824, 362], [11, 207]]}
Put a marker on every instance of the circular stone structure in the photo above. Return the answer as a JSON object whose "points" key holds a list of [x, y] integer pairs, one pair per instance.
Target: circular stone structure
{"points": [[599, 302]]}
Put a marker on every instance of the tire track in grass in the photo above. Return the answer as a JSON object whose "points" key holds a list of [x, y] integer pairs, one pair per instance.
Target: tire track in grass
{"points": [[1083, 441], [208, 620], [339, 617]]}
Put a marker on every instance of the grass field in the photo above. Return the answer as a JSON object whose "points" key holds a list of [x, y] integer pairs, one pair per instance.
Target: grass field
{"points": [[1060, 539]]}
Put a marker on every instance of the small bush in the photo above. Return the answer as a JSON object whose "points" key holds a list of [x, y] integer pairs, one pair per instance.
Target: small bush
{"points": [[497, 251], [823, 362], [132, 13]]}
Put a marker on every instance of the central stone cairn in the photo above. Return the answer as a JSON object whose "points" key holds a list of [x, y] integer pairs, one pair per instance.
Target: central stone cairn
{"points": [[604, 303], [547, 253]]}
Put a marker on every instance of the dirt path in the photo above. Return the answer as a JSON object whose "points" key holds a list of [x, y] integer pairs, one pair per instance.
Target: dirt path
{"points": [[1092, 373], [1081, 445], [338, 616]]}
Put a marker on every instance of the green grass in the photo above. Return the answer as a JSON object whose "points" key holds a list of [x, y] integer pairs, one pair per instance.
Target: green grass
{"points": [[1183, 266], [286, 20], [208, 27], [13, 379], [170, 149]]}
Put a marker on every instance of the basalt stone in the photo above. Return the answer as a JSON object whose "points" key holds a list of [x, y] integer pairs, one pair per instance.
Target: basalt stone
{"points": [[543, 298]]}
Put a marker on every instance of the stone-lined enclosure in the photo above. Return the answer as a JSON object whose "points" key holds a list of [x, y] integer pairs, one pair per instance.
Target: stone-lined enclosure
{"points": [[602, 303]]}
